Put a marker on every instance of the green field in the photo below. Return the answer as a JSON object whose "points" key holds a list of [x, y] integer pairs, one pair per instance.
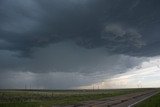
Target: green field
{"points": [[49, 98], [154, 101]]}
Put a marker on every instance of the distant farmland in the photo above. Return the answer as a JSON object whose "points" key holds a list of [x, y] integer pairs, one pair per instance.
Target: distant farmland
{"points": [[49, 98]]}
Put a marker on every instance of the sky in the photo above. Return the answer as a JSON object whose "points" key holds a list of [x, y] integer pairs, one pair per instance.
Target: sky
{"points": [[77, 44]]}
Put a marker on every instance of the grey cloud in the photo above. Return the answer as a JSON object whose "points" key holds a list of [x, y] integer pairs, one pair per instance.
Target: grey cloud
{"points": [[54, 80], [67, 57], [37, 23], [10, 62], [121, 40], [66, 71], [85, 36]]}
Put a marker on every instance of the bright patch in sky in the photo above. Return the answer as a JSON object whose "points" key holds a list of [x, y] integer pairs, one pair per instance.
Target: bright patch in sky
{"points": [[145, 75]]}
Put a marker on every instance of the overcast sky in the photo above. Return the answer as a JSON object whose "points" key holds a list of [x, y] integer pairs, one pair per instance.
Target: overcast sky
{"points": [[66, 44]]}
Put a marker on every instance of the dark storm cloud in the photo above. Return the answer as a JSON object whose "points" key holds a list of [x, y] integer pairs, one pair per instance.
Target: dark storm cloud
{"points": [[48, 80], [31, 29], [85, 37], [67, 57], [89, 23]]}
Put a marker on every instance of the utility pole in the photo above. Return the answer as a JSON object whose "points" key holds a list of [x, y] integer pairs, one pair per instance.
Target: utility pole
{"points": [[25, 87], [30, 86], [93, 87]]}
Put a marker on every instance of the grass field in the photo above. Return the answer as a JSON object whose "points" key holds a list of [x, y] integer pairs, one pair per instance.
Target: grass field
{"points": [[48, 98], [154, 101]]}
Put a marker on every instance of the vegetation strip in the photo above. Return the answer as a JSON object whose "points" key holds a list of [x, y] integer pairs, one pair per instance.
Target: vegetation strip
{"points": [[142, 99], [153, 101], [50, 98]]}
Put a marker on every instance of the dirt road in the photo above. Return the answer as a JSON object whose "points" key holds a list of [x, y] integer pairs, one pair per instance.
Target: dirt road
{"points": [[128, 100]]}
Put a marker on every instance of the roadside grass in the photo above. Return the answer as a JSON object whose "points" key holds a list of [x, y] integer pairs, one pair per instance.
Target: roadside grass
{"points": [[154, 101], [51, 98]]}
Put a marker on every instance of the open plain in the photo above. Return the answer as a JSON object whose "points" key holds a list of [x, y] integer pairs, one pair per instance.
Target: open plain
{"points": [[73, 98]]}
